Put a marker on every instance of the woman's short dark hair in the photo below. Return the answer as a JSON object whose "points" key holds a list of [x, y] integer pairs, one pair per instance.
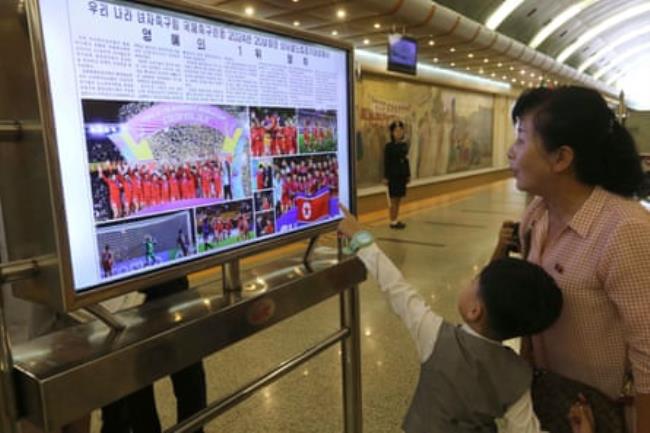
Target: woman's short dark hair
{"points": [[520, 298], [578, 117]]}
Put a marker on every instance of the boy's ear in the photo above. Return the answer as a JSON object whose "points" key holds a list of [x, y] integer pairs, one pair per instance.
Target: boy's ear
{"points": [[475, 312]]}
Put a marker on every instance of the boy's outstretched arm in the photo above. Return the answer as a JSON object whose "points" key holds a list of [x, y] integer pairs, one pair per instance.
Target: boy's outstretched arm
{"points": [[422, 323]]}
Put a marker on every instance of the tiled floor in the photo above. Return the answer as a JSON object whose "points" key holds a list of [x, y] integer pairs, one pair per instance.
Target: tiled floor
{"points": [[442, 248]]}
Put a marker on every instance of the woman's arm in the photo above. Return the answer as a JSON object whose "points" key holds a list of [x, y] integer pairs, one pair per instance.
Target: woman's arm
{"points": [[627, 282], [642, 406], [387, 161]]}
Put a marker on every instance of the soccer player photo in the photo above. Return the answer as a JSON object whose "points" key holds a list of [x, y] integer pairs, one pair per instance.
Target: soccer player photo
{"points": [[224, 225]]}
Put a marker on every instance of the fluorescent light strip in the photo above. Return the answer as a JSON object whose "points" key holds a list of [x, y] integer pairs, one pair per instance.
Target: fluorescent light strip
{"points": [[501, 13], [621, 58], [626, 37], [565, 16], [600, 28], [435, 70]]}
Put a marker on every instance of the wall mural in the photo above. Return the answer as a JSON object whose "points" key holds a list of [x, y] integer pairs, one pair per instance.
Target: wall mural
{"points": [[448, 131]]}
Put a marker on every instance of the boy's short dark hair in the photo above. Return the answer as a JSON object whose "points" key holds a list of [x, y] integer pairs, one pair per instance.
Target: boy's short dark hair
{"points": [[520, 298]]}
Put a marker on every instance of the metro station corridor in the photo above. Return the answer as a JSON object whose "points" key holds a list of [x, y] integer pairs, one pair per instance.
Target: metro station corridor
{"points": [[447, 240]]}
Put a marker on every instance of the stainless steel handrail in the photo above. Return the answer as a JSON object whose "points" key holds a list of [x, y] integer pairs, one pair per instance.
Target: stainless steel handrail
{"points": [[217, 408]]}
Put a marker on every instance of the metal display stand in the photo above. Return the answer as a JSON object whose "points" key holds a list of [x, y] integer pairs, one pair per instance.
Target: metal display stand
{"points": [[60, 377], [167, 335]]}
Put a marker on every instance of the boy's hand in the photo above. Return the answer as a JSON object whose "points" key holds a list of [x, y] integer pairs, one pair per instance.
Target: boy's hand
{"points": [[507, 240], [349, 224], [581, 417]]}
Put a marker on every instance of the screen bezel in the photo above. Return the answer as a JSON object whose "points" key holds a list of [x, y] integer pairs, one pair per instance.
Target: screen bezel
{"points": [[66, 298], [398, 67]]}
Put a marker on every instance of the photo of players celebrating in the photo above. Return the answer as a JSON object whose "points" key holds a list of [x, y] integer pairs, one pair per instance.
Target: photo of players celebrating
{"points": [[172, 180], [316, 131], [136, 245], [264, 224], [273, 131], [262, 174], [224, 224], [306, 189], [148, 158], [264, 201]]}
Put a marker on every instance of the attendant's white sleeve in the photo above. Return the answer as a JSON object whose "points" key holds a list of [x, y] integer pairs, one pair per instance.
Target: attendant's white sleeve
{"points": [[422, 323], [520, 417]]}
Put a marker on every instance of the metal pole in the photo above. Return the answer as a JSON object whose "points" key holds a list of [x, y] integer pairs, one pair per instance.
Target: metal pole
{"points": [[351, 361], [231, 277], [201, 418], [306, 258], [106, 317], [8, 412]]}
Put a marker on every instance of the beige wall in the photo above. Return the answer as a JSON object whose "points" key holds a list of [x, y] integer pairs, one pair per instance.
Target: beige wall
{"points": [[638, 123]]}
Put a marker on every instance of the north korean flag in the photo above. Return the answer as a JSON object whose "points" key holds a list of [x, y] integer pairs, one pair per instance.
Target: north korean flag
{"points": [[314, 207]]}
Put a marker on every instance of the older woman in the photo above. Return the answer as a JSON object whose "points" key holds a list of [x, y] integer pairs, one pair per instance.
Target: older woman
{"points": [[585, 230]]}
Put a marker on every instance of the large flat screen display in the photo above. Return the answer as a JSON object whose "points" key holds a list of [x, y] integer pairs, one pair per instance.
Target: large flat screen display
{"points": [[180, 137]]}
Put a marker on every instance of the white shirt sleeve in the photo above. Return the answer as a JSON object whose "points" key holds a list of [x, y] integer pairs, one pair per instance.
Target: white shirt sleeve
{"points": [[422, 323], [520, 417]]}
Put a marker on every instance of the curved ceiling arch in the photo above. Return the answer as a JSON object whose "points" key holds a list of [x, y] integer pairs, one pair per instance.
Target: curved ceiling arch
{"points": [[639, 31], [602, 27], [559, 21], [621, 58]]}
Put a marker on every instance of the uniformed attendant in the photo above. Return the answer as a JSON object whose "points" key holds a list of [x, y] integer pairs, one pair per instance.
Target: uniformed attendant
{"points": [[397, 173]]}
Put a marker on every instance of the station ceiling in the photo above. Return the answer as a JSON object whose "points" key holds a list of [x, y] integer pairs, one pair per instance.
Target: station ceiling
{"points": [[600, 43]]}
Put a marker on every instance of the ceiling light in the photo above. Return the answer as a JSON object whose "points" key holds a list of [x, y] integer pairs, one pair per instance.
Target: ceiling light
{"points": [[249, 10], [514, 80], [431, 43], [435, 60], [493, 74], [532, 75], [335, 33], [499, 64], [637, 49], [602, 27], [512, 68], [296, 23], [501, 13], [480, 71], [560, 19], [366, 41], [467, 68], [485, 60], [626, 37], [452, 64], [555, 82], [470, 55], [296, 1], [504, 77], [377, 26], [340, 13], [452, 50]]}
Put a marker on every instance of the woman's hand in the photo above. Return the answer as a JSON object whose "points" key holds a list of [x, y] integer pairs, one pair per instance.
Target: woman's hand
{"points": [[581, 417], [349, 224], [507, 240]]}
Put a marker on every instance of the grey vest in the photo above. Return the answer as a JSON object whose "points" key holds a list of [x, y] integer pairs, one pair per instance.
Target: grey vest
{"points": [[465, 384]]}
